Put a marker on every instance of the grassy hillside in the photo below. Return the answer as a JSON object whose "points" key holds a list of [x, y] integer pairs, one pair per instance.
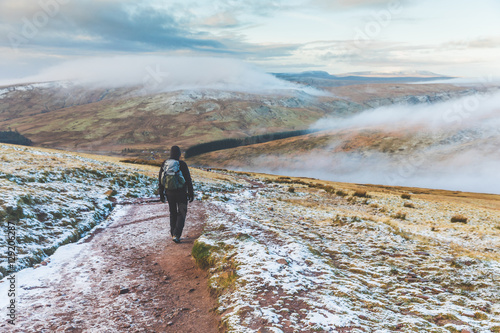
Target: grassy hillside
{"points": [[442, 145], [118, 119], [322, 143], [89, 119]]}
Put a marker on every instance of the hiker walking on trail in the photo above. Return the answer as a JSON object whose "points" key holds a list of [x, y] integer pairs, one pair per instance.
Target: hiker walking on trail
{"points": [[175, 183]]}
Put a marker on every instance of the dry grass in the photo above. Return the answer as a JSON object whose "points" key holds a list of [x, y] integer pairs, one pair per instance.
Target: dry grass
{"points": [[371, 239], [458, 219], [361, 194], [429, 223], [433, 205], [399, 216], [341, 193]]}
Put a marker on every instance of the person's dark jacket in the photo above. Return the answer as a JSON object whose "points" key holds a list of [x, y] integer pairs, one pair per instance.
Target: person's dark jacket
{"points": [[188, 186]]}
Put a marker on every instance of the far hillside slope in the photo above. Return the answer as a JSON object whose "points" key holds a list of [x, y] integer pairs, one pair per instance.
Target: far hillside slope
{"points": [[79, 118], [323, 79]]}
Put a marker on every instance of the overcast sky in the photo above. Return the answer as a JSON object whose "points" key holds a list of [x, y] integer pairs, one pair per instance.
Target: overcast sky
{"points": [[452, 37]]}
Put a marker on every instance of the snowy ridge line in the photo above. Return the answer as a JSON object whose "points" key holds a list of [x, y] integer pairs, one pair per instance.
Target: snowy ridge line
{"points": [[283, 264]]}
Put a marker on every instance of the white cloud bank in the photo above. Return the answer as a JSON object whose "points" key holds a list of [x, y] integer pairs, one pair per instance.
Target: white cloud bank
{"points": [[467, 111], [157, 74]]}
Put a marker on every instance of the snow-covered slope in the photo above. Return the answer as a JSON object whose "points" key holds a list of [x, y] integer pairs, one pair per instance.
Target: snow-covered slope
{"points": [[53, 198], [295, 256], [303, 255]]}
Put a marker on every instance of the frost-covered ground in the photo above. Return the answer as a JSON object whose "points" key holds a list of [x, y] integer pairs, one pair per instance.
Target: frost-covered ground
{"points": [[304, 260], [287, 255], [53, 198]]}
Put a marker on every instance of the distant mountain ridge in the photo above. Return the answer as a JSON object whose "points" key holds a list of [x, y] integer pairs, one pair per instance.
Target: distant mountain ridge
{"points": [[321, 79], [400, 74]]}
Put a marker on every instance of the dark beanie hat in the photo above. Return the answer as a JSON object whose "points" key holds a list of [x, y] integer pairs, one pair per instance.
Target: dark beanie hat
{"points": [[175, 152]]}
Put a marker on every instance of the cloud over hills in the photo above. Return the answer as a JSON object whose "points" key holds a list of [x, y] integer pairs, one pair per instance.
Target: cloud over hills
{"points": [[160, 74], [474, 110]]}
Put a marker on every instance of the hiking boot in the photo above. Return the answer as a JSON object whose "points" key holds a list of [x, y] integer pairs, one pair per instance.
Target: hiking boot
{"points": [[177, 240]]}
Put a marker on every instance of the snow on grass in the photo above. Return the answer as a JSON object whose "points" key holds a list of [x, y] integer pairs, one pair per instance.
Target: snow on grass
{"points": [[3, 92], [35, 280], [55, 198], [301, 262], [280, 261]]}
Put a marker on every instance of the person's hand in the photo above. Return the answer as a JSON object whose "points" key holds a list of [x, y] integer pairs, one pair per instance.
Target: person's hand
{"points": [[190, 197], [162, 198]]}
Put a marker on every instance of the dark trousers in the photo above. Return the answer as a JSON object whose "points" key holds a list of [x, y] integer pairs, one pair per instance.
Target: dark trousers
{"points": [[177, 205]]}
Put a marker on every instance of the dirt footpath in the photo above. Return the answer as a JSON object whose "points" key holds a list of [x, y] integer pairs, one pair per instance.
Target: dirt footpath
{"points": [[128, 277]]}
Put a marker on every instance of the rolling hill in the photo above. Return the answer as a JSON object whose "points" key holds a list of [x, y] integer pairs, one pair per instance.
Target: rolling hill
{"points": [[325, 79], [85, 118], [391, 133]]}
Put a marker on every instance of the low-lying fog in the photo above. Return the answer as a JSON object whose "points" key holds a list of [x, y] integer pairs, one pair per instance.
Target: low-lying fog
{"points": [[464, 156]]}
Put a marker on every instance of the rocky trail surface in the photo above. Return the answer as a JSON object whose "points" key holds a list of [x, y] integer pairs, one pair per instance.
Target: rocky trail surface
{"points": [[127, 276]]}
